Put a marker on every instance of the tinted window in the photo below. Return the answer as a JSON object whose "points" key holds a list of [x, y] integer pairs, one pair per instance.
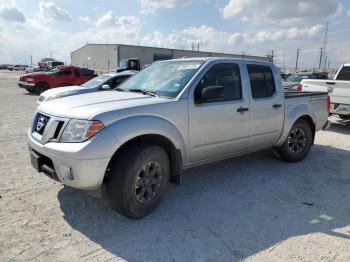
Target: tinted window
{"points": [[65, 72], [76, 72], [261, 81], [344, 73], [225, 75], [118, 80]]}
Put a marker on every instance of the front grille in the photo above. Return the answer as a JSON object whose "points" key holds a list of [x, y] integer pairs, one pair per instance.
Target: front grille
{"points": [[41, 123], [47, 128]]}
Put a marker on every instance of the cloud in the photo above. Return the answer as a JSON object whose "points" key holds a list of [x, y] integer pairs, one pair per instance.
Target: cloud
{"points": [[280, 11], [50, 11], [274, 35], [149, 6], [12, 14], [84, 19], [349, 13], [110, 19]]}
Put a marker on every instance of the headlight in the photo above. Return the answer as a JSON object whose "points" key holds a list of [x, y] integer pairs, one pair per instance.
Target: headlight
{"points": [[28, 79], [80, 130]]}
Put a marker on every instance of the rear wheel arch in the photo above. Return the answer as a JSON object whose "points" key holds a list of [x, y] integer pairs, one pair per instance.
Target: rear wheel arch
{"points": [[308, 119], [174, 154]]}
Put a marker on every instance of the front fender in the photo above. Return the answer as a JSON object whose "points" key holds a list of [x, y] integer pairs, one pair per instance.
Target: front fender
{"points": [[128, 128], [292, 114]]}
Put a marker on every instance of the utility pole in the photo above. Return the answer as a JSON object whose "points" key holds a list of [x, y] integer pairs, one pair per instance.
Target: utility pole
{"points": [[198, 46], [31, 60], [107, 54], [51, 53], [296, 62], [272, 56], [321, 54], [325, 41]]}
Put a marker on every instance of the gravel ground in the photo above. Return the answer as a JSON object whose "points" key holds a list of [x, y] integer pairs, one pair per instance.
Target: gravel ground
{"points": [[252, 208]]}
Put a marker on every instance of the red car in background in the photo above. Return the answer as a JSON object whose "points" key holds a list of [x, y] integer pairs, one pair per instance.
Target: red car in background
{"points": [[61, 76]]}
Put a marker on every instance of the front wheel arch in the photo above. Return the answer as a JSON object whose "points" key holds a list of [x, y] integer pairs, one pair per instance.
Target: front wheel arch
{"points": [[173, 153]]}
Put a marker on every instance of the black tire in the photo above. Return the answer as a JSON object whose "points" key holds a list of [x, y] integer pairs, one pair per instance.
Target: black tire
{"points": [[344, 117], [127, 186], [30, 90], [41, 87], [298, 142]]}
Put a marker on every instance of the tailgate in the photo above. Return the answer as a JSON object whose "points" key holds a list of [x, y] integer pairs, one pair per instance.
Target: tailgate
{"points": [[339, 91]]}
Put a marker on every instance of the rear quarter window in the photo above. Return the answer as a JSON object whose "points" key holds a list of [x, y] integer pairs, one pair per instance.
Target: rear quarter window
{"points": [[262, 83]]}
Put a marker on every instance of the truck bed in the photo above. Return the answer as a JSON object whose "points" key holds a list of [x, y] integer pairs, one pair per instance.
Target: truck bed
{"points": [[291, 94]]}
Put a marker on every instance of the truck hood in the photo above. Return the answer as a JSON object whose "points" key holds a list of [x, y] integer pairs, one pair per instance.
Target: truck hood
{"points": [[35, 74], [87, 105], [63, 92]]}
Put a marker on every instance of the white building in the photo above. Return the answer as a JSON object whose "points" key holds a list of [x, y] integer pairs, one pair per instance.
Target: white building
{"points": [[105, 57]]}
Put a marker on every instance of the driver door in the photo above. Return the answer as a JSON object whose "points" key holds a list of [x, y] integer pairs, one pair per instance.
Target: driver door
{"points": [[219, 127]]}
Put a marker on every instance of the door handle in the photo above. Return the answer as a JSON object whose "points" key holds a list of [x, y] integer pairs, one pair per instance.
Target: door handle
{"points": [[276, 106], [242, 109], [330, 83]]}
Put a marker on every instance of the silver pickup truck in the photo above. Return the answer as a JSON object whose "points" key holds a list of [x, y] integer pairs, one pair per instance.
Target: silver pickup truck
{"points": [[172, 115]]}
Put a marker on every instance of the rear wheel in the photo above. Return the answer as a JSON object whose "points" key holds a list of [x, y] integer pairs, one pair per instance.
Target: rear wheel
{"points": [[298, 142], [41, 87], [138, 180]]}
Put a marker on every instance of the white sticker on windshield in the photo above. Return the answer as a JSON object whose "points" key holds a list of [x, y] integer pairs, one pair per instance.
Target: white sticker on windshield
{"points": [[188, 67]]}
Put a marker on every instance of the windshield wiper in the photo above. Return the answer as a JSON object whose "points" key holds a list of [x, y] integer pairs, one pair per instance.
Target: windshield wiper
{"points": [[143, 91], [119, 89]]}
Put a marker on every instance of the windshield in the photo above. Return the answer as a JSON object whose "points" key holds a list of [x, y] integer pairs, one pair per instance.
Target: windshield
{"points": [[123, 63], [97, 81], [164, 78], [296, 78]]}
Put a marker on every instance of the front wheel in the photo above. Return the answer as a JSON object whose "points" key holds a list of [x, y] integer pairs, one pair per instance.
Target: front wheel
{"points": [[41, 87], [298, 142], [138, 180]]}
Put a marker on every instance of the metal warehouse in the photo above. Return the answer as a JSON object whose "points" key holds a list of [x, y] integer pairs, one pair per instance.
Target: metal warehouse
{"points": [[105, 57]]}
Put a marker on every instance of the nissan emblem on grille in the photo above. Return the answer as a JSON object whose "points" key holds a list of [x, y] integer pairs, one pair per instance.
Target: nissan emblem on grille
{"points": [[40, 124]]}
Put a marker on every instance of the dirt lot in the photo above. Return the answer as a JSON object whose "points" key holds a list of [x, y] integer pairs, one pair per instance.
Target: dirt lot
{"points": [[253, 208]]}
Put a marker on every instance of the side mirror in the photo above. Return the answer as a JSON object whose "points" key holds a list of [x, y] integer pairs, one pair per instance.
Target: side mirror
{"points": [[105, 87], [210, 93]]}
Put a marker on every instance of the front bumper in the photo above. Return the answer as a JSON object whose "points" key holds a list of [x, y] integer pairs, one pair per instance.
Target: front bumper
{"points": [[64, 162], [25, 85]]}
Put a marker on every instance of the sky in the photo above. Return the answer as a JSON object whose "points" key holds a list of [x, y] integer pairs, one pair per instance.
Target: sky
{"points": [[256, 27]]}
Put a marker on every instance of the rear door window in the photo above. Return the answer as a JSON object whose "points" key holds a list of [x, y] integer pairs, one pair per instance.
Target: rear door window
{"points": [[262, 82]]}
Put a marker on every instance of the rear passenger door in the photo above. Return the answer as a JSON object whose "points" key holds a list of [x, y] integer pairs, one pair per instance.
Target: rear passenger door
{"points": [[219, 127], [266, 107]]}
